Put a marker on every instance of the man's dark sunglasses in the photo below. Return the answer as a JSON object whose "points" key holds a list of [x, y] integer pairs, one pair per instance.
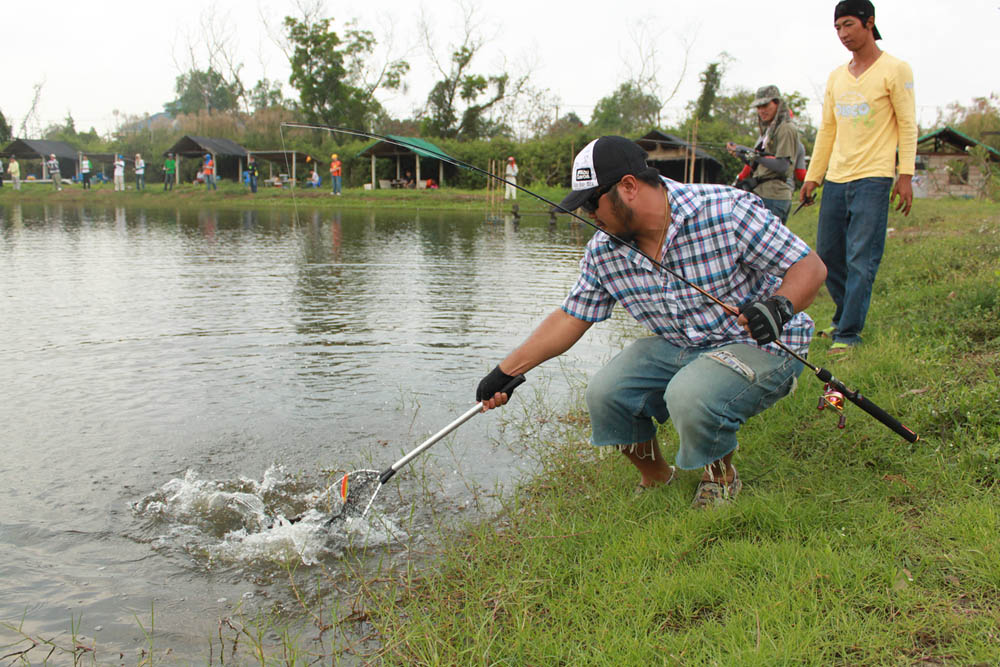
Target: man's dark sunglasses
{"points": [[591, 204]]}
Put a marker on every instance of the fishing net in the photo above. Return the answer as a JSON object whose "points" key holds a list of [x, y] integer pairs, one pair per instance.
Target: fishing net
{"points": [[353, 494]]}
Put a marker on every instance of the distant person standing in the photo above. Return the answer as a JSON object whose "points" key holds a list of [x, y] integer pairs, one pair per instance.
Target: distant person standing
{"points": [[52, 164], [169, 172], [772, 162], [14, 169], [140, 172], [252, 173], [209, 171], [335, 173], [85, 171], [510, 175], [119, 173], [868, 113]]}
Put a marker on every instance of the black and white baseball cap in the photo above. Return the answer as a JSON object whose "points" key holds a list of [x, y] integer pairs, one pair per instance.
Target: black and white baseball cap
{"points": [[603, 161]]}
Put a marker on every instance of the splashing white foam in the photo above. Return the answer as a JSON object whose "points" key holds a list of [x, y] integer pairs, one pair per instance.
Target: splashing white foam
{"points": [[244, 520]]}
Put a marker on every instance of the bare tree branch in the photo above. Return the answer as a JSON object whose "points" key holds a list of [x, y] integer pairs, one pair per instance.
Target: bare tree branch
{"points": [[32, 115]]}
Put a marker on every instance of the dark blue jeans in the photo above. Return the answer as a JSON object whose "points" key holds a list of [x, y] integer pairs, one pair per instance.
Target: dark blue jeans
{"points": [[779, 207], [850, 240]]}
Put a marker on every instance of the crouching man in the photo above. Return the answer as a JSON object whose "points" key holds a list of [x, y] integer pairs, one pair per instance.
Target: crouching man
{"points": [[703, 368]]}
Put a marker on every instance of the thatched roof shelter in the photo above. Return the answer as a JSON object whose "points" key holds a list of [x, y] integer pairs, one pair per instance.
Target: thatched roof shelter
{"points": [[39, 149], [672, 156], [411, 150], [228, 155]]}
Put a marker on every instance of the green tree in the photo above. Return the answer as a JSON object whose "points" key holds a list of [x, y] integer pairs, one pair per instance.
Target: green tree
{"points": [[64, 132], [462, 103], [199, 90], [5, 131], [266, 94], [445, 118], [980, 119], [711, 82], [628, 110], [331, 75]]}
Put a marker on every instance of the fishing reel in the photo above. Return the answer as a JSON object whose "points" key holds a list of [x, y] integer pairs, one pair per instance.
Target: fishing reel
{"points": [[834, 399]]}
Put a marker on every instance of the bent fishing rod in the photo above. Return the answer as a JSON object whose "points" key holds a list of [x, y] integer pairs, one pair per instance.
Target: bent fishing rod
{"points": [[835, 390]]}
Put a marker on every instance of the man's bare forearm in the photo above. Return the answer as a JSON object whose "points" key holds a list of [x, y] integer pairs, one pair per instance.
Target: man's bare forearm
{"points": [[557, 333]]}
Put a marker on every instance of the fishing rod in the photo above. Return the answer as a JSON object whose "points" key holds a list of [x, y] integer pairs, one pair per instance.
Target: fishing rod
{"points": [[834, 388]]}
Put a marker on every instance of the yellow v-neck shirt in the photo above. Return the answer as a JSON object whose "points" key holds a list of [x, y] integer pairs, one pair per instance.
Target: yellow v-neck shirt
{"points": [[865, 119]]}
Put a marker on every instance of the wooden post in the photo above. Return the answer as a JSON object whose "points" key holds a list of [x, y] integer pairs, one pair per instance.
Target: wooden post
{"points": [[694, 149], [440, 173], [294, 160], [416, 158], [374, 182], [687, 153]]}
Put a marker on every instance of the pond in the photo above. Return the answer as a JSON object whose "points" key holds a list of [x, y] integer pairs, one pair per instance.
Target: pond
{"points": [[176, 380]]}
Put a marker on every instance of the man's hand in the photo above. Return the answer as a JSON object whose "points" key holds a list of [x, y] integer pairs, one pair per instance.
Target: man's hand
{"points": [[489, 389], [904, 189], [765, 319], [806, 193]]}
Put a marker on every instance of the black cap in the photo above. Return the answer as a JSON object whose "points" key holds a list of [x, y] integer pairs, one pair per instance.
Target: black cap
{"points": [[603, 161], [863, 9]]}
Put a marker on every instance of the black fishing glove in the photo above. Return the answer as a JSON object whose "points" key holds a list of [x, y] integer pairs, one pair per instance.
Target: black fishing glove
{"points": [[495, 382], [767, 318]]}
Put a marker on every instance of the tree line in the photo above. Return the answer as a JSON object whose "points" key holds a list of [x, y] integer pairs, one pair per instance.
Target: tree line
{"points": [[476, 114]]}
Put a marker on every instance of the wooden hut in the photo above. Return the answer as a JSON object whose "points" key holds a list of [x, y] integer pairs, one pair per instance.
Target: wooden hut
{"points": [[944, 167], [414, 149], [286, 160], [673, 157], [39, 149], [229, 157]]}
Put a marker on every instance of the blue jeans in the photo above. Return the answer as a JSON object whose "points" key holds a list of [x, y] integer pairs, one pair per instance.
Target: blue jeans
{"points": [[708, 393], [253, 184], [779, 207], [210, 181], [336, 184], [850, 240]]}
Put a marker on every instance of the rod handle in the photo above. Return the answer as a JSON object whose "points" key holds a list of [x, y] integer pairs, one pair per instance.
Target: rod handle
{"points": [[868, 406]]}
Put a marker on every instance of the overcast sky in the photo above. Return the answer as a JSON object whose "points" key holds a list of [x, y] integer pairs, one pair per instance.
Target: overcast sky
{"points": [[95, 58]]}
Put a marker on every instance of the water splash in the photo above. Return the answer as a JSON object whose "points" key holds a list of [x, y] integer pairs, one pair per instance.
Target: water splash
{"points": [[246, 520]]}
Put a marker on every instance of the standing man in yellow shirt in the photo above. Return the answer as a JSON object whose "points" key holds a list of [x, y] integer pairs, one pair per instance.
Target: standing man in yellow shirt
{"points": [[868, 112]]}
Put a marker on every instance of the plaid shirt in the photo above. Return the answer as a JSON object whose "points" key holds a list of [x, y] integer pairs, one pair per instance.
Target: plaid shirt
{"points": [[722, 240]]}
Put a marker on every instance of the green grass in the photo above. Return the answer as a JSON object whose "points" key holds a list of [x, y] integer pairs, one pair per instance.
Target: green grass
{"points": [[846, 547], [238, 196]]}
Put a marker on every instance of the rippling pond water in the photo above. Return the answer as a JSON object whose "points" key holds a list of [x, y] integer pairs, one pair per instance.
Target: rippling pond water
{"points": [[176, 380]]}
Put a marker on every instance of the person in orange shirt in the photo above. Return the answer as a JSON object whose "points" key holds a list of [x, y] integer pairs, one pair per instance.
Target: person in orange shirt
{"points": [[335, 174], [209, 170]]}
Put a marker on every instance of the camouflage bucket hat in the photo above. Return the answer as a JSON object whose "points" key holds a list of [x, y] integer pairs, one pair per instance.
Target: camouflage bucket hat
{"points": [[765, 95]]}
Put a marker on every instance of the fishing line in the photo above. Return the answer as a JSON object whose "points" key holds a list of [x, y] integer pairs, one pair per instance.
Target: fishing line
{"points": [[284, 152], [823, 374]]}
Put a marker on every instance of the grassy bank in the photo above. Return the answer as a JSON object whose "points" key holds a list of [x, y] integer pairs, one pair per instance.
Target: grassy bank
{"points": [[846, 547], [231, 195]]}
